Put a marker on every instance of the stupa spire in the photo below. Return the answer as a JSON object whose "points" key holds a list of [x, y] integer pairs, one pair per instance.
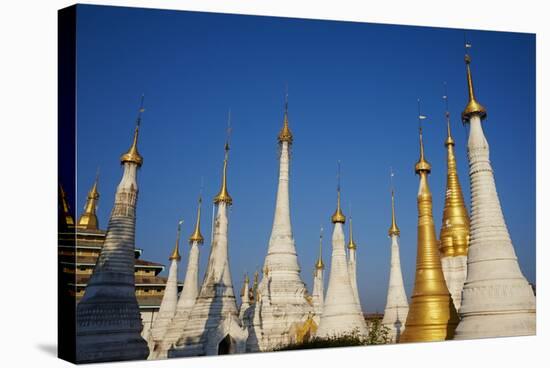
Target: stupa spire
{"points": [[285, 135], [473, 107], [432, 315], [223, 195], [66, 220], [187, 296], [338, 216], [245, 298], [496, 299], [285, 298], [394, 229], [351, 243], [176, 252], [318, 282], [100, 310], [132, 155], [397, 306], [341, 310], [197, 236], [88, 219], [169, 301], [215, 310], [319, 265], [352, 262], [455, 228]]}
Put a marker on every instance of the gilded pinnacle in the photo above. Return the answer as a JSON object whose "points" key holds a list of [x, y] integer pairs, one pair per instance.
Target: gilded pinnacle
{"points": [[197, 236], [223, 195], [351, 244], [133, 155], [319, 264], [473, 107], [394, 230], [338, 215], [88, 219], [176, 252], [422, 165], [285, 135], [66, 219]]}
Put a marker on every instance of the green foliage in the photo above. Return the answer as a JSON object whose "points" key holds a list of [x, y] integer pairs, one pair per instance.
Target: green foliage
{"points": [[378, 334]]}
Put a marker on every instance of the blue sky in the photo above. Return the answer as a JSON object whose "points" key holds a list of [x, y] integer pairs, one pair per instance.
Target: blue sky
{"points": [[353, 90]]}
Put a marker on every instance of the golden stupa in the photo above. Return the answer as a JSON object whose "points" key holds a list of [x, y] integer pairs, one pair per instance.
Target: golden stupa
{"points": [[65, 219], [88, 219], [432, 315], [455, 230]]}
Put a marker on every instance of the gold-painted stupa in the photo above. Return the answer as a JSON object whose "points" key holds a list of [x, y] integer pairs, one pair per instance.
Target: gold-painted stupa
{"points": [[432, 315], [88, 219], [65, 218], [455, 229]]}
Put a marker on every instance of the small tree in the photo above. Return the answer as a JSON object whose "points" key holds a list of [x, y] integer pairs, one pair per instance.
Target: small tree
{"points": [[378, 333]]}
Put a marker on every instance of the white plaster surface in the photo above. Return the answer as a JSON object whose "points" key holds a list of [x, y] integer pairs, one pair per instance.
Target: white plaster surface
{"points": [[184, 305], [214, 314], [352, 265], [496, 299], [284, 303], [167, 309], [341, 312], [397, 306], [108, 319], [455, 270]]}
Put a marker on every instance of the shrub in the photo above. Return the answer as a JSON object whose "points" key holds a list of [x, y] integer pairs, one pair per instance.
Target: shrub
{"points": [[378, 334]]}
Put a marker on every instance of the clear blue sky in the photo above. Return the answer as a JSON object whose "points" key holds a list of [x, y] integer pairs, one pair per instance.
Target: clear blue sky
{"points": [[352, 97]]}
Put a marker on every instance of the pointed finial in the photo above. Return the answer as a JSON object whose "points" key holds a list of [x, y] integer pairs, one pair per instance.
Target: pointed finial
{"points": [[338, 215], [88, 219], [319, 264], [351, 244], [197, 236], [473, 107], [133, 155], [223, 195], [228, 136], [255, 284], [394, 230], [176, 252], [422, 165], [66, 220], [285, 135], [449, 141], [244, 290]]}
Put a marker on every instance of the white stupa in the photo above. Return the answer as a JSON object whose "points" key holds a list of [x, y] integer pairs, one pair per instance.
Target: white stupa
{"points": [[245, 300], [285, 304], [108, 321], [352, 262], [497, 299], [318, 294], [342, 313], [187, 296], [169, 301], [397, 306], [213, 326]]}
